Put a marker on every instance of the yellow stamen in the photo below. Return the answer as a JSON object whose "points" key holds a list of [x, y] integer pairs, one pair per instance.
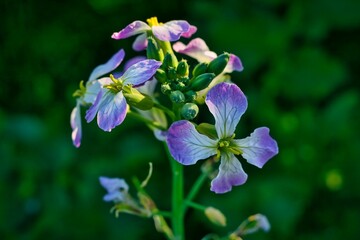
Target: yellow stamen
{"points": [[153, 21]]}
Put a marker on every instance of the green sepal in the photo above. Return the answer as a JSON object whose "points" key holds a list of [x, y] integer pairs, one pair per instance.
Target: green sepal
{"points": [[136, 99], [201, 81], [218, 65], [207, 129]]}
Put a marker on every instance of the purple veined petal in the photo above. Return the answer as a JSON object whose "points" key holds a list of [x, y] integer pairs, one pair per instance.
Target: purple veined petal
{"points": [[112, 110], [171, 31], [230, 174], [186, 145], [110, 65], [160, 135], [196, 49], [91, 112], [75, 122], [190, 32], [140, 72], [92, 90], [132, 61], [113, 184], [227, 103], [259, 147], [132, 29], [140, 42], [234, 64]]}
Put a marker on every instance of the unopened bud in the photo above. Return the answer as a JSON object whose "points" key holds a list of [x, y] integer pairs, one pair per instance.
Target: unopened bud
{"points": [[165, 88], [171, 73], [136, 99], [170, 60], [160, 75], [201, 81], [189, 111], [182, 69], [215, 216], [177, 97], [190, 96], [199, 69], [153, 51], [218, 65]]}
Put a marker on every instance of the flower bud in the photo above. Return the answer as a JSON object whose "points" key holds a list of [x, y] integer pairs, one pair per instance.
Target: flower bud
{"points": [[215, 216], [182, 69], [170, 60], [190, 96], [160, 75], [171, 73], [165, 88], [201, 81], [153, 51], [218, 65], [177, 97], [136, 99], [189, 111], [199, 69]]}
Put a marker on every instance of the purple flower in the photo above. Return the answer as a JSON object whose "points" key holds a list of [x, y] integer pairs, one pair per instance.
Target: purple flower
{"points": [[110, 105], [227, 103], [169, 31], [88, 93], [117, 189], [198, 50]]}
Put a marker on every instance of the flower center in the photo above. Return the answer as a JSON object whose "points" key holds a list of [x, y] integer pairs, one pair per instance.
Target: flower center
{"points": [[226, 145], [153, 21], [116, 85]]}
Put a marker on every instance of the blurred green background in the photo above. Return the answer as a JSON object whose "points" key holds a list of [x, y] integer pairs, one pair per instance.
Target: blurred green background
{"points": [[301, 77]]}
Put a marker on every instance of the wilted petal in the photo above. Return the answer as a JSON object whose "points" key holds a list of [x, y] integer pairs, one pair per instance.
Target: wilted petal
{"points": [[196, 49], [186, 145], [132, 29], [110, 65], [113, 184], [140, 42], [258, 148], [112, 110], [230, 174], [171, 31], [234, 64], [141, 72], [190, 32], [227, 103], [75, 122]]}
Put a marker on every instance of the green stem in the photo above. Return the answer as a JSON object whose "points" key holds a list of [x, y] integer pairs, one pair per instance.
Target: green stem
{"points": [[166, 110], [196, 187]]}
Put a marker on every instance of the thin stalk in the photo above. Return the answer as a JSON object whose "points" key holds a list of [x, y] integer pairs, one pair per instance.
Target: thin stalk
{"points": [[195, 188]]}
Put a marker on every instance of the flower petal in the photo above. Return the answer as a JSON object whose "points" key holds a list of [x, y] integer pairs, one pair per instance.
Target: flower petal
{"points": [[230, 174], [140, 72], [110, 65], [171, 31], [112, 110], [234, 64], [227, 103], [196, 49], [75, 122], [190, 32], [140, 42], [115, 196], [132, 29], [186, 145], [91, 112], [258, 148], [113, 184], [92, 90]]}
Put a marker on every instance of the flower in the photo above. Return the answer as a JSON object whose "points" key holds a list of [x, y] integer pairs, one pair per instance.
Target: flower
{"points": [[227, 103], [117, 189], [198, 50], [169, 31], [110, 105], [87, 95]]}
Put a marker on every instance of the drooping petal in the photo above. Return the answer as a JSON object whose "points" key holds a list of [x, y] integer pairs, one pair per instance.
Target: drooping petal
{"points": [[259, 147], [171, 31], [230, 174], [113, 184], [132, 29], [91, 112], [227, 103], [196, 49], [140, 42], [112, 110], [190, 32], [92, 90], [186, 145], [140, 72], [234, 64], [75, 122], [110, 65]]}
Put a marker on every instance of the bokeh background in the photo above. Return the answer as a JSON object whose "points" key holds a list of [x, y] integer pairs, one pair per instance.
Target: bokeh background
{"points": [[301, 77]]}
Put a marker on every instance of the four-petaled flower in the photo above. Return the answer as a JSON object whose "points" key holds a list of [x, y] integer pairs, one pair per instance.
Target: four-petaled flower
{"points": [[110, 104], [87, 94], [169, 31], [117, 189], [227, 103]]}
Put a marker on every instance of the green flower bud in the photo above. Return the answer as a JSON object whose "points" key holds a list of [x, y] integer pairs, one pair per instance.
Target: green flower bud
{"points": [[218, 65], [182, 69], [199, 69], [160, 75], [180, 86], [177, 97], [165, 88], [189, 111], [170, 60], [215, 216], [136, 99], [190, 96], [201, 81], [171, 73], [153, 51]]}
